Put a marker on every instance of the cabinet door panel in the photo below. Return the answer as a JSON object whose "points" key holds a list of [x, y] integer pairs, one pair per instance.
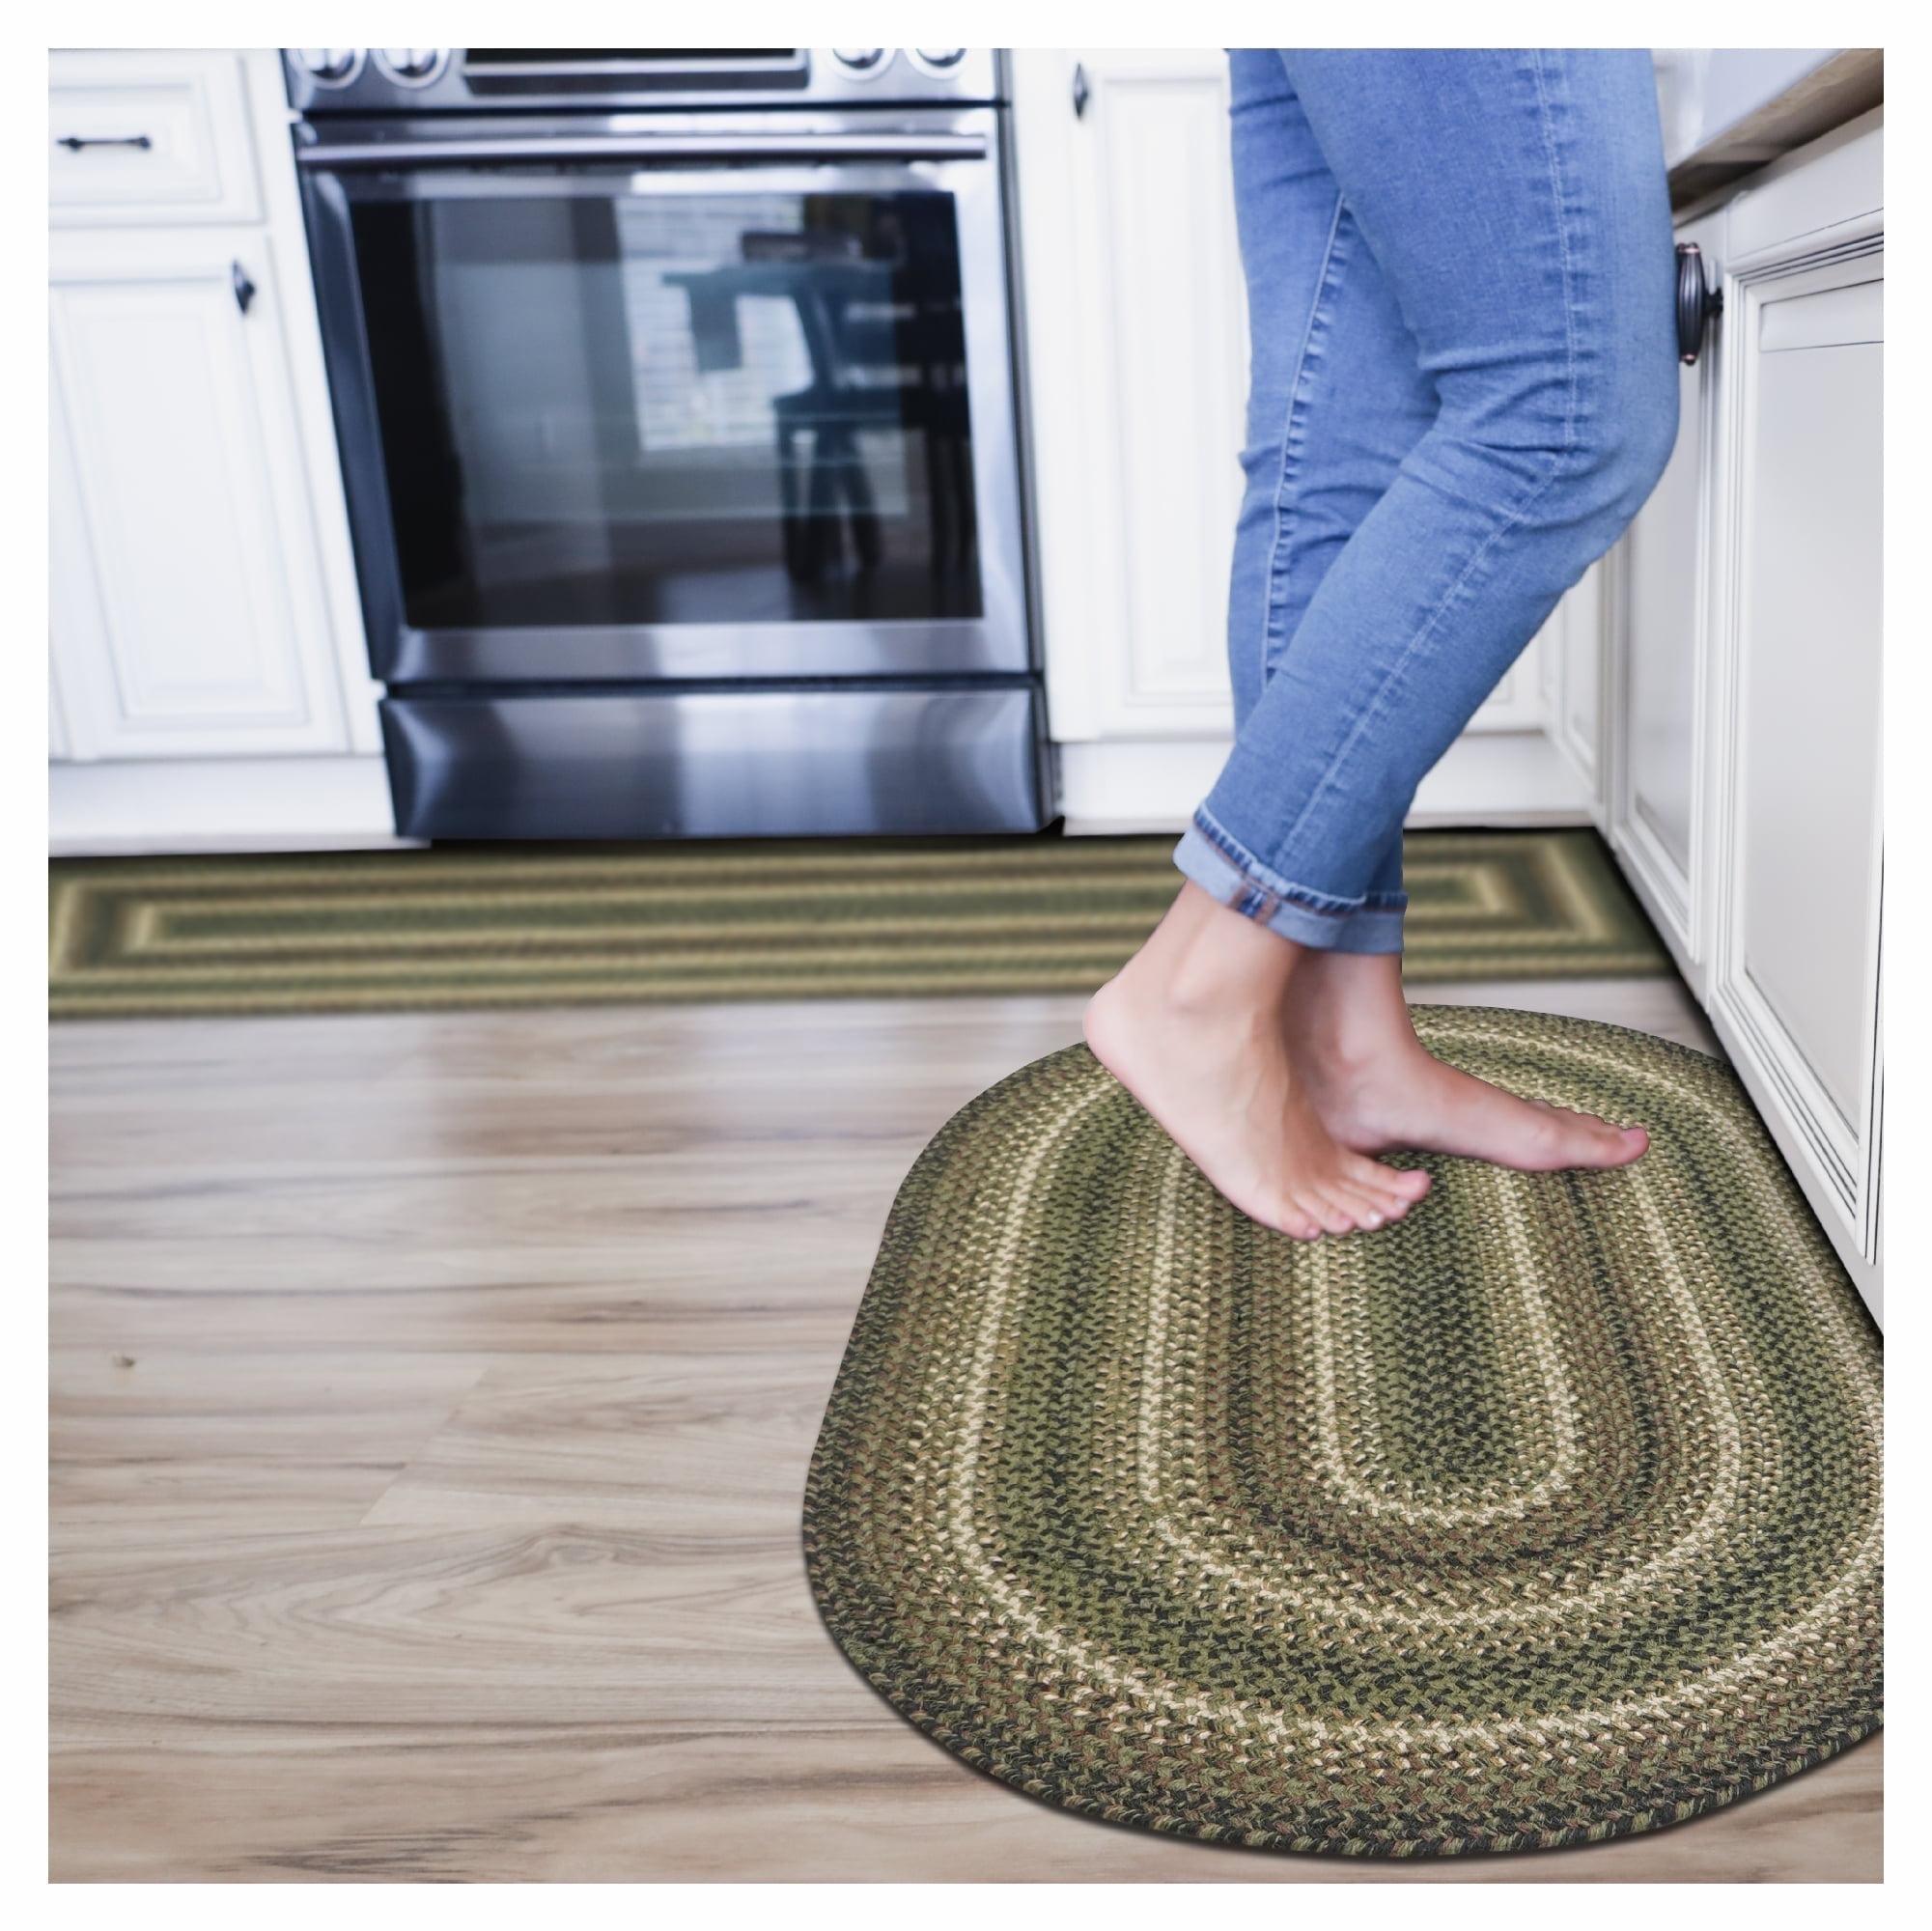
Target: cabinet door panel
{"points": [[1136, 363], [1172, 292], [1795, 975], [1518, 703], [191, 617], [1579, 682], [1660, 587], [1664, 585], [1809, 668], [57, 738]]}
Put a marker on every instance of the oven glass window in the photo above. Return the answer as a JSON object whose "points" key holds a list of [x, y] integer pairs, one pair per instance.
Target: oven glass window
{"points": [[675, 408]]}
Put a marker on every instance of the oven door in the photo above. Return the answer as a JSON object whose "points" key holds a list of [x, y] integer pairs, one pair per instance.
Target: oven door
{"points": [[674, 397]]}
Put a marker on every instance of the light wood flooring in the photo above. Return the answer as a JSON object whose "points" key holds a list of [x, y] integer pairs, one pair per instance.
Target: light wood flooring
{"points": [[431, 1399]]}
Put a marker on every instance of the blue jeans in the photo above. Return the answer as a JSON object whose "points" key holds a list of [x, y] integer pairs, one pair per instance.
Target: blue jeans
{"points": [[1463, 383]]}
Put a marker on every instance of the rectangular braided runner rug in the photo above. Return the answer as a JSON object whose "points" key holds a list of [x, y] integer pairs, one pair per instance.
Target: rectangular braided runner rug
{"points": [[579, 925]]}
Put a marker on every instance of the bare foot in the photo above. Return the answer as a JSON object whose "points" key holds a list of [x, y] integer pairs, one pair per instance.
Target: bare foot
{"points": [[1376, 1088], [1192, 1026]]}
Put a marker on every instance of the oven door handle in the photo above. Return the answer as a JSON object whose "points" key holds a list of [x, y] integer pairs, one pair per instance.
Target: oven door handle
{"points": [[762, 146]]}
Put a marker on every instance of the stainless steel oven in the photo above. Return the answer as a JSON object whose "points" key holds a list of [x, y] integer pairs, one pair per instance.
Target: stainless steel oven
{"points": [[677, 414]]}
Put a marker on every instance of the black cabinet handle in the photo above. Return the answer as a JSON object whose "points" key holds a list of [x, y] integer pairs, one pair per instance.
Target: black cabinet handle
{"points": [[1698, 303], [74, 143], [244, 289], [1083, 94]]}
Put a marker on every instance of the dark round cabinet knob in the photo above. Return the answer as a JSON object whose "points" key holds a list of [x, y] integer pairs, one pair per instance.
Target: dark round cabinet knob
{"points": [[1698, 303]]}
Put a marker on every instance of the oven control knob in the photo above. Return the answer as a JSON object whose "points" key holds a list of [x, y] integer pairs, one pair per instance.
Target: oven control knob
{"points": [[415, 67], [941, 57], [332, 65], [860, 60]]}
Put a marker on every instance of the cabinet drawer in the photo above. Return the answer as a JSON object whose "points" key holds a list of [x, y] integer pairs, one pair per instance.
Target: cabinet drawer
{"points": [[162, 137]]}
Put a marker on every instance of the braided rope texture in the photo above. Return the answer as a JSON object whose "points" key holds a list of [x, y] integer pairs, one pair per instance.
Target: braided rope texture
{"points": [[522, 926], [1548, 1515]]}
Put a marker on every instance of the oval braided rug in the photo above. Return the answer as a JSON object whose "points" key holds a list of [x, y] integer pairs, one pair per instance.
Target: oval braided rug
{"points": [[1548, 1515]]}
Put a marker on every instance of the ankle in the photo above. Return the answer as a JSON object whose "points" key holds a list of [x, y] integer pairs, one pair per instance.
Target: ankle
{"points": [[1348, 1011], [1205, 962]]}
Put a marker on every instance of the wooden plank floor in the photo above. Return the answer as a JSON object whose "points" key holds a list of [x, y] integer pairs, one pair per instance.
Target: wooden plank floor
{"points": [[431, 1400]]}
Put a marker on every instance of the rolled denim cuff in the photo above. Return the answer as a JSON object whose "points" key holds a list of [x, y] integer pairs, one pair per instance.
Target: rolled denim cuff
{"points": [[1226, 872]]}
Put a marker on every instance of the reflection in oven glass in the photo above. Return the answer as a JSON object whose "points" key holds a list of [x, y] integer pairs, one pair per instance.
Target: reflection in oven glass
{"points": [[633, 408]]}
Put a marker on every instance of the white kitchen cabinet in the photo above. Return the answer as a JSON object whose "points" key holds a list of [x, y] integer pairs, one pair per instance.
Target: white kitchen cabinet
{"points": [[1659, 588], [139, 135], [187, 606], [1804, 789], [1135, 332], [1573, 662], [1746, 665], [56, 716], [1795, 982], [203, 613], [1136, 363]]}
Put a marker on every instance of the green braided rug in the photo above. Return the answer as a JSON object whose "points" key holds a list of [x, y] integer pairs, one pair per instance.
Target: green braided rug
{"points": [[1548, 1515], [816, 918]]}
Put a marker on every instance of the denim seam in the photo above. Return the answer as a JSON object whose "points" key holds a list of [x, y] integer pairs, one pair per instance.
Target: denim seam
{"points": [[1293, 418], [1377, 703], [1557, 195], [1264, 880]]}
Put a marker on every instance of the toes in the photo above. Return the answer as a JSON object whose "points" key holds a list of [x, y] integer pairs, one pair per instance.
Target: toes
{"points": [[1410, 1183], [1334, 1218], [1400, 1187], [1390, 1208], [1391, 1201], [1387, 1191], [1368, 1211], [1581, 1139], [1363, 1197], [1368, 1203], [1365, 1175], [1311, 1213], [1287, 1215]]}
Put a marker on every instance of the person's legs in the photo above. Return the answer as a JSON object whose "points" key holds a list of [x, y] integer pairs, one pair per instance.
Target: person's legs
{"points": [[1198, 1025], [1372, 1082], [1336, 395], [1513, 204]]}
